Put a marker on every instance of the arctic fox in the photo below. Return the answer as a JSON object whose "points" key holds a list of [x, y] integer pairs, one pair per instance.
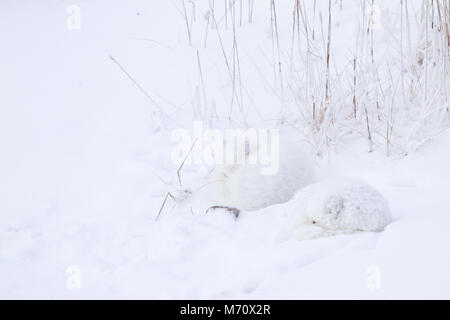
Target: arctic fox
{"points": [[244, 187], [329, 207], [338, 206]]}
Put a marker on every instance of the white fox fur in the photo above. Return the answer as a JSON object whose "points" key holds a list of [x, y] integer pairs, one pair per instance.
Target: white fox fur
{"points": [[244, 187], [328, 207], [338, 206]]}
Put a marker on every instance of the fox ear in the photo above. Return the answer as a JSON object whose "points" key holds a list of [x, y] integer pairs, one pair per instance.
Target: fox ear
{"points": [[334, 207]]}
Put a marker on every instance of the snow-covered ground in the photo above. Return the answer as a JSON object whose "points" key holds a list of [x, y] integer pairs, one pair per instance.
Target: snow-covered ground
{"points": [[86, 164]]}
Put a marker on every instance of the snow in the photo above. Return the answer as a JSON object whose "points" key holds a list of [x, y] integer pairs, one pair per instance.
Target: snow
{"points": [[85, 165]]}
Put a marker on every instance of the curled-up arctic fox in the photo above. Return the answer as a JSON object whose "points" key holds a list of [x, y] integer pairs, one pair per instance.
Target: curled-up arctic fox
{"points": [[245, 186], [337, 206]]}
